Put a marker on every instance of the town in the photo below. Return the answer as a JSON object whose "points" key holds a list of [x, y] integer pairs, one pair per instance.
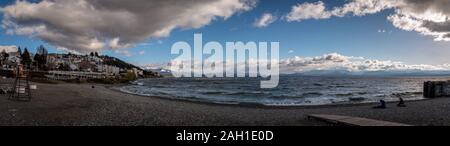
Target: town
{"points": [[90, 67]]}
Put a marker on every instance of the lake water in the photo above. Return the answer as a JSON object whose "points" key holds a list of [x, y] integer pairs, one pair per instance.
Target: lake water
{"points": [[292, 90]]}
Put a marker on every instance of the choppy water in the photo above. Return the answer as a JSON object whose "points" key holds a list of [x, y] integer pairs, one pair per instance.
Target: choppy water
{"points": [[292, 90]]}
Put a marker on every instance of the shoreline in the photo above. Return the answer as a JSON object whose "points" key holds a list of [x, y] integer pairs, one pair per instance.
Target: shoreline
{"points": [[80, 105], [258, 105]]}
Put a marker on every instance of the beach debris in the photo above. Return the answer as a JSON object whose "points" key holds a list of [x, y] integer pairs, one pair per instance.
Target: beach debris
{"points": [[381, 106], [401, 103], [33, 87]]}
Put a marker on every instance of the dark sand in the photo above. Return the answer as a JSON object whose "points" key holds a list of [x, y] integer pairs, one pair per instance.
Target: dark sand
{"points": [[79, 104]]}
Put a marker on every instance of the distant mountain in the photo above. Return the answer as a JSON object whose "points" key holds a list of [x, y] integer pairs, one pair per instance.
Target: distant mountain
{"points": [[373, 73], [341, 72]]}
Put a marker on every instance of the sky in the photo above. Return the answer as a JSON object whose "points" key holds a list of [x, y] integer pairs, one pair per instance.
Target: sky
{"points": [[393, 33]]}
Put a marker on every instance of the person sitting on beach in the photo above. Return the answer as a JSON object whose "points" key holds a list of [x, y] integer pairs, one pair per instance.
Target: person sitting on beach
{"points": [[382, 105], [401, 103]]}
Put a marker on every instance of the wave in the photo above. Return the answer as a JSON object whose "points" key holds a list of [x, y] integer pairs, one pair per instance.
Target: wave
{"points": [[246, 93], [304, 95], [291, 91], [214, 92], [350, 94], [403, 94]]}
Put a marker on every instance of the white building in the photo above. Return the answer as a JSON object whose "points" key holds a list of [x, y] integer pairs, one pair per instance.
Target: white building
{"points": [[14, 59], [112, 70]]}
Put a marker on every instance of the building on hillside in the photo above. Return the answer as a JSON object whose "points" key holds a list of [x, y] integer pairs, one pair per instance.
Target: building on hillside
{"points": [[112, 70], [13, 60], [72, 75]]}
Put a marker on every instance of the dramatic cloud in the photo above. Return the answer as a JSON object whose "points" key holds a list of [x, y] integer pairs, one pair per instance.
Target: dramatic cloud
{"points": [[428, 17], [265, 20], [336, 62], [8, 49], [92, 25]]}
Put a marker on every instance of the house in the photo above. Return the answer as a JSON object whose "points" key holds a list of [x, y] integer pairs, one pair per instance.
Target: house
{"points": [[112, 70], [14, 59]]}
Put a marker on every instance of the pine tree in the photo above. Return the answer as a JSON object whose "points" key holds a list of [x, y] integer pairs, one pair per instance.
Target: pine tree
{"points": [[3, 57], [41, 57], [19, 51], [26, 58]]}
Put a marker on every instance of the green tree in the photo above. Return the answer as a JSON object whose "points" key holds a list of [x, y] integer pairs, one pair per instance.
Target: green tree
{"points": [[36, 58], [41, 57], [130, 76], [26, 58], [19, 51], [64, 67], [3, 57]]}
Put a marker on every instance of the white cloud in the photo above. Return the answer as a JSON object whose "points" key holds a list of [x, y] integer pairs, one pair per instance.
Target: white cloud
{"points": [[428, 17], [308, 11], [337, 62], [127, 53], [381, 31], [291, 51], [318, 9], [92, 25], [8, 49], [265, 20], [123, 52], [364, 7]]}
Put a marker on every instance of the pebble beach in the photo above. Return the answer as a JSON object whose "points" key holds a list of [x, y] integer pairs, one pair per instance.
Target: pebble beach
{"points": [[100, 105]]}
